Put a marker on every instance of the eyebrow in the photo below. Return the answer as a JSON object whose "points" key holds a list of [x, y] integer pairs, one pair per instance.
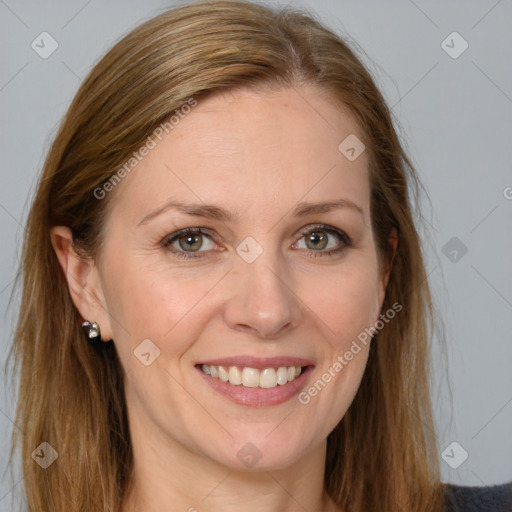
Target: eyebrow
{"points": [[215, 212]]}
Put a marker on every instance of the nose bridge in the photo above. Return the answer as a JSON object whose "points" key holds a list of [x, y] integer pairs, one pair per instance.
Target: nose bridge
{"points": [[261, 298]]}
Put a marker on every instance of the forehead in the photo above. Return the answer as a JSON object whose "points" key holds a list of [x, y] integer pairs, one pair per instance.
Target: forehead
{"points": [[265, 149]]}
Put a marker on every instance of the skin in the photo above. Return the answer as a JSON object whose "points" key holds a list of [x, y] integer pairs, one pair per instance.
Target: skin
{"points": [[258, 155]]}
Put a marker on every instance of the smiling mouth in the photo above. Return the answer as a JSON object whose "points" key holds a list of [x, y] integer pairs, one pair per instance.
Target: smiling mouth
{"points": [[263, 386], [248, 377]]}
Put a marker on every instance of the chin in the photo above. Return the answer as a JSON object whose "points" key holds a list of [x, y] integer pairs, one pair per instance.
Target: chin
{"points": [[263, 452]]}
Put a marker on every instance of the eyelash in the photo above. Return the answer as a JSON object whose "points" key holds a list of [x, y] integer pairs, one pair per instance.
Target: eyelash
{"points": [[346, 240]]}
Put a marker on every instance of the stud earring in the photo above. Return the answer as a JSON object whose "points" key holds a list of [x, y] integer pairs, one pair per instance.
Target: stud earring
{"points": [[92, 333]]}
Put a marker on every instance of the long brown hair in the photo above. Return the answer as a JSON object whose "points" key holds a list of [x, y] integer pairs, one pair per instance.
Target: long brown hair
{"points": [[382, 456]]}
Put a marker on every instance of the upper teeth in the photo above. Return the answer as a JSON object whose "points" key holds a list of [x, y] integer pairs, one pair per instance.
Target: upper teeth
{"points": [[252, 377]]}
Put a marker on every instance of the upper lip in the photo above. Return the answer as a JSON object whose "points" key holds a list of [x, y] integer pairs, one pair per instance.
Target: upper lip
{"points": [[258, 362]]}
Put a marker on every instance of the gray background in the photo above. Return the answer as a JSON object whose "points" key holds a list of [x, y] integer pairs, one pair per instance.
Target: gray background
{"points": [[455, 116]]}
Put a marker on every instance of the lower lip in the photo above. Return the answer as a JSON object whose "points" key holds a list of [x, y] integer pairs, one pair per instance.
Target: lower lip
{"points": [[258, 397]]}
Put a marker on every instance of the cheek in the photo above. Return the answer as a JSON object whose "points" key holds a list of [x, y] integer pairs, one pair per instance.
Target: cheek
{"points": [[345, 302], [346, 305], [158, 303]]}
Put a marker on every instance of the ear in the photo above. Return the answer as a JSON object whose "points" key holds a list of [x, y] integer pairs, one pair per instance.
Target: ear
{"points": [[83, 281], [393, 243], [388, 265]]}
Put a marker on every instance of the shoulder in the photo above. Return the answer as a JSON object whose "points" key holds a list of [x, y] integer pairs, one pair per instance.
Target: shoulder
{"points": [[495, 498]]}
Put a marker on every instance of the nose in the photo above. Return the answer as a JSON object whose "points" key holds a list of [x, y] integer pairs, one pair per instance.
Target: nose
{"points": [[261, 300]]}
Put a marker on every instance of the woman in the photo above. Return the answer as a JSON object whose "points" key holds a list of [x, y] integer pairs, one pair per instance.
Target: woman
{"points": [[221, 265]]}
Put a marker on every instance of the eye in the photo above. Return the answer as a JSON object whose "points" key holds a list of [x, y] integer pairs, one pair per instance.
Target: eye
{"points": [[320, 237], [188, 241]]}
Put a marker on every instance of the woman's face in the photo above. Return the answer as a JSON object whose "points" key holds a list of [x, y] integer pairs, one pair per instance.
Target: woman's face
{"points": [[274, 281]]}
